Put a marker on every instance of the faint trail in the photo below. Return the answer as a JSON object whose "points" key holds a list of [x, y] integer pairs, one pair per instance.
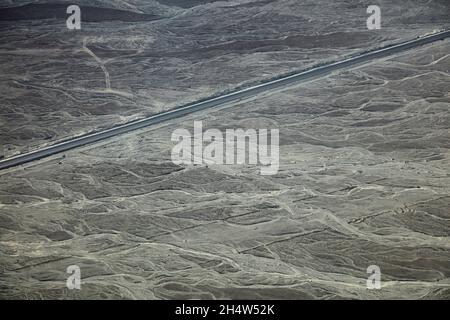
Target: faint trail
{"points": [[101, 64]]}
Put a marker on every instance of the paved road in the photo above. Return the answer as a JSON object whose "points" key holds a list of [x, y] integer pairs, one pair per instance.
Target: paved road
{"points": [[221, 100]]}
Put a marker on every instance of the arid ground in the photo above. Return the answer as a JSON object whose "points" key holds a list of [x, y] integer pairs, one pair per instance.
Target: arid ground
{"points": [[364, 175]]}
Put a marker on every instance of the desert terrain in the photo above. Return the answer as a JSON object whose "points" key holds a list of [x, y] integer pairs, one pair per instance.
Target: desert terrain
{"points": [[364, 176]]}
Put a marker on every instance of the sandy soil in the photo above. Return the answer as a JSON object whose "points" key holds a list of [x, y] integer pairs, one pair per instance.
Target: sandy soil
{"points": [[364, 180], [123, 64]]}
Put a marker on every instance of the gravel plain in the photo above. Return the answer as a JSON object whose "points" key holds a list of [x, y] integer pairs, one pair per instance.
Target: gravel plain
{"points": [[364, 176], [364, 180]]}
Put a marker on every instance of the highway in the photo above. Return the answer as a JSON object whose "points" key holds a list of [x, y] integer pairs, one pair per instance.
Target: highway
{"points": [[235, 96]]}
